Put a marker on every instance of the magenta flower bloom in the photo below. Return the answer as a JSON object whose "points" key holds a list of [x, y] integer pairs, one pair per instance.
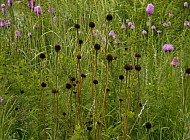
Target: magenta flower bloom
{"points": [[150, 9], [38, 10], [8, 23], [153, 27], [10, 2], [159, 32], [127, 20], [55, 19], [29, 34], [175, 62], [50, 10], [185, 4], [123, 26], [17, 33], [165, 24], [186, 23], [31, 4], [168, 47], [3, 8], [129, 24], [112, 33], [132, 27], [2, 23], [144, 32]]}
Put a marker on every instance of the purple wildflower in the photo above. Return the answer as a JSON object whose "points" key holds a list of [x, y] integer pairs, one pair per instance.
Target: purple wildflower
{"points": [[165, 24], [17, 33], [31, 4], [186, 23], [1, 99], [153, 27], [112, 33], [150, 9], [10, 2], [123, 26], [50, 10], [55, 19], [29, 34], [175, 62], [168, 47], [8, 23], [3, 8], [185, 4], [132, 27], [144, 32], [2, 23], [130, 24], [159, 32], [127, 20], [38, 10]]}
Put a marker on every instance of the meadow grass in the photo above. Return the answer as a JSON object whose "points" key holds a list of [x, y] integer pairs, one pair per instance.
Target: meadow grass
{"points": [[74, 72]]}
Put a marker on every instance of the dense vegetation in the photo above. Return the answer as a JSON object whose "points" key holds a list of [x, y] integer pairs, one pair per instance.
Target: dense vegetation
{"points": [[94, 69]]}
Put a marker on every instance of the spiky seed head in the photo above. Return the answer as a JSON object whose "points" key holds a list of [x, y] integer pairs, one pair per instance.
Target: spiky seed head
{"points": [[137, 67], [128, 67], [68, 86], [91, 24], [109, 17], [57, 48]]}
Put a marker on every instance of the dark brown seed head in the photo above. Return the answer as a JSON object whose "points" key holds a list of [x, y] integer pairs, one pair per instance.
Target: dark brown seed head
{"points": [[64, 113], [68, 86], [89, 128], [148, 125], [97, 46], [137, 67], [21, 91], [95, 82], [107, 89], [109, 17], [72, 78], [77, 26], [80, 42], [140, 104], [54, 90], [74, 92], [138, 55], [43, 84], [128, 67], [120, 100], [78, 56], [187, 71], [83, 75], [57, 48], [98, 122], [91, 24], [109, 57], [74, 85], [42, 55], [121, 77]]}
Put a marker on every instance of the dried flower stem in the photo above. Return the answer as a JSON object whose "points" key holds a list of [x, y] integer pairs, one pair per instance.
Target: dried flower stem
{"points": [[42, 99]]}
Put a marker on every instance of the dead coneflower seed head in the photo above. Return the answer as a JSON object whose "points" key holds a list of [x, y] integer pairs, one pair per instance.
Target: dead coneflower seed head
{"points": [[95, 82], [80, 42], [120, 100], [91, 24], [68, 86], [72, 78], [54, 90], [43, 84], [109, 57], [137, 67], [57, 48], [109, 17], [97, 46], [77, 26], [42, 55], [64, 113], [83, 75], [138, 55], [78, 56], [187, 71], [98, 122], [121, 77], [128, 67], [89, 128], [148, 125]]}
